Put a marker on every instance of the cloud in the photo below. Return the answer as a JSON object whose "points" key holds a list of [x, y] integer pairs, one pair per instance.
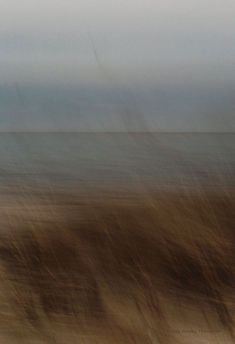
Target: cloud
{"points": [[121, 45]]}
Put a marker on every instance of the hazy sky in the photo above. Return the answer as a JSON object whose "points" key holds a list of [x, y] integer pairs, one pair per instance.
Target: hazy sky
{"points": [[116, 65]]}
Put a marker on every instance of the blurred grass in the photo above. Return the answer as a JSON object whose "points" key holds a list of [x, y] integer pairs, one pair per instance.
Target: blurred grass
{"points": [[115, 271]]}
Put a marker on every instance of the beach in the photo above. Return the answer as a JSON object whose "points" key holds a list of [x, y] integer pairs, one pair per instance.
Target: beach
{"points": [[113, 238]]}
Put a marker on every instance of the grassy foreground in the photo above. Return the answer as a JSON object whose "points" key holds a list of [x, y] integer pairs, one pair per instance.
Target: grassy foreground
{"points": [[160, 270]]}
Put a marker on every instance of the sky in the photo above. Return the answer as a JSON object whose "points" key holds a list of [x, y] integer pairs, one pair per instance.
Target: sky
{"points": [[111, 65]]}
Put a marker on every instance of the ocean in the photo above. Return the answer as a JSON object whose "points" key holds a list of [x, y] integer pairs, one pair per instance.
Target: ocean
{"points": [[114, 164]]}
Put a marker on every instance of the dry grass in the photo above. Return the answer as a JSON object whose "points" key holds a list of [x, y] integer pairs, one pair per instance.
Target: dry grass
{"points": [[120, 272]]}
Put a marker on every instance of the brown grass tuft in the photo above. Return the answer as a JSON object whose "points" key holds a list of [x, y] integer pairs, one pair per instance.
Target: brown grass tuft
{"points": [[119, 271]]}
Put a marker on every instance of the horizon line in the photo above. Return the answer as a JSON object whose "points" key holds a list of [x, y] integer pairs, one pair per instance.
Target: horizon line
{"points": [[113, 132]]}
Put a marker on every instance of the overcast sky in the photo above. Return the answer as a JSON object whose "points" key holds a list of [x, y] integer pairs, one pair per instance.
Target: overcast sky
{"points": [[117, 65]]}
